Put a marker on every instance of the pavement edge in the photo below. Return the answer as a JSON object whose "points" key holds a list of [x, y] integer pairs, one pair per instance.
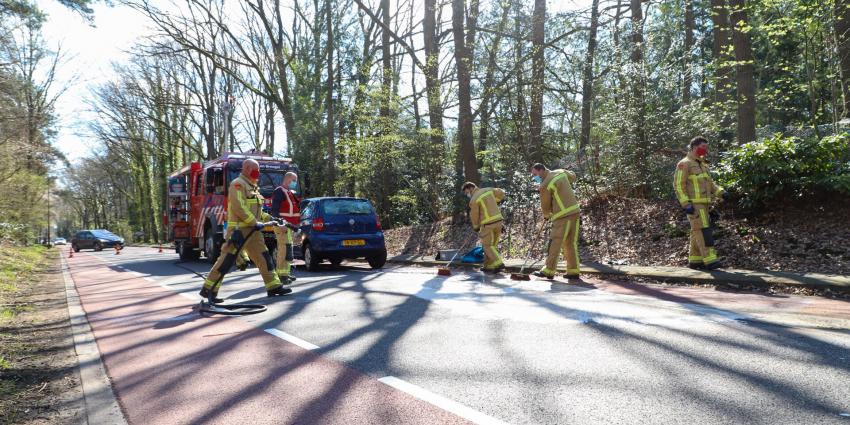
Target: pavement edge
{"points": [[101, 404], [813, 280]]}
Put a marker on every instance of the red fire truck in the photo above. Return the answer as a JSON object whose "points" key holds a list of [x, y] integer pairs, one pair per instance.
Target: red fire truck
{"points": [[197, 199]]}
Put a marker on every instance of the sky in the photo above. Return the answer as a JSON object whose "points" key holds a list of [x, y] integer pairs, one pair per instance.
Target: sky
{"points": [[92, 48]]}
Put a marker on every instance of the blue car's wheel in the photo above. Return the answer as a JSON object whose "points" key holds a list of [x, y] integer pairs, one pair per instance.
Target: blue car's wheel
{"points": [[311, 260]]}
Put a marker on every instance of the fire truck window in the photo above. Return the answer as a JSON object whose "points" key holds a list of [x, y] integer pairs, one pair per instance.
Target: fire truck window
{"points": [[214, 181]]}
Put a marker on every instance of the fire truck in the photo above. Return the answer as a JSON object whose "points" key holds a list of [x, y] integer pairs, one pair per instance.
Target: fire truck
{"points": [[197, 201]]}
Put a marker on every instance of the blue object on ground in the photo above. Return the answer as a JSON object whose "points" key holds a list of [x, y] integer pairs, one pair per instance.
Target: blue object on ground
{"points": [[475, 255]]}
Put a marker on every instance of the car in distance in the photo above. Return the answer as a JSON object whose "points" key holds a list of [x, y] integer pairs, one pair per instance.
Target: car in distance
{"points": [[60, 241], [96, 239], [338, 228]]}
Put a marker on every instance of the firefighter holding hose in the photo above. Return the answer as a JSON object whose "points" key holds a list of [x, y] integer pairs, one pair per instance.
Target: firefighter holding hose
{"points": [[244, 229]]}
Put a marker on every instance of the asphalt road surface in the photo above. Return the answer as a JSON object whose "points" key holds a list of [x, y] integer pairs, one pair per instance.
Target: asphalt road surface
{"points": [[493, 350]]}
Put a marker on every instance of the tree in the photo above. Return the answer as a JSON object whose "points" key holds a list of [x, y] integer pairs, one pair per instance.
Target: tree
{"points": [[538, 34], [745, 75], [462, 63]]}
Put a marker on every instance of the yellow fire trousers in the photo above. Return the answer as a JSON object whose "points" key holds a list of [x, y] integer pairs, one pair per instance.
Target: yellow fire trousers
{"points": [[257, 252], [283, 259], [564, 237], [702, 237], [490, 235]]}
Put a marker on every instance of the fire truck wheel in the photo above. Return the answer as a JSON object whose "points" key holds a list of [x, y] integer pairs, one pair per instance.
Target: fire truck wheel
{"points": [[211, 249], [186, 252]]}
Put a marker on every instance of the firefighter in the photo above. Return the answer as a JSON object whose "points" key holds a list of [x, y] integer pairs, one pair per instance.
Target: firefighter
{"points": [[561, 208], [285, 207], [244, 210], [487, 221], [695, 190]]}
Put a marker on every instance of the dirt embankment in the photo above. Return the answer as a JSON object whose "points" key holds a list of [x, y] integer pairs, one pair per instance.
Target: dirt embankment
{"points": [[813, 237]]}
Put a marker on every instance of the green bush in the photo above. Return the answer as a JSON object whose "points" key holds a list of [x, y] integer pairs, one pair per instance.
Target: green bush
{"points": [[780, 167]]}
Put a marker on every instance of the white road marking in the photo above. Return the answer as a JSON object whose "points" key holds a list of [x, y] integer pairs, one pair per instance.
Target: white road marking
{"points": [[450, 406], [293, 339]]}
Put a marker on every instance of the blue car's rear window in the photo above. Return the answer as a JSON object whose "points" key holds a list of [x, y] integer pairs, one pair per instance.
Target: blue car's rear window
{"points": [[347, 207], [103, 234]]}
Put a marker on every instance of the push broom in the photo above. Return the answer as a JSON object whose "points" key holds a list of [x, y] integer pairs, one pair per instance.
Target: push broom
{"points": [[446, 270], [525, 276]]}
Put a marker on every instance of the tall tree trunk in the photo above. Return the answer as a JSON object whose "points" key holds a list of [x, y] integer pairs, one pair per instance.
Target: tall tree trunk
{"points": [[538, 35], [432, 89], [687, 72], [462, 61], [587, 81], [485, 107], [386, 60], [638, 100], [721, 44], [331, 174], [745, 64], [842, 35]]}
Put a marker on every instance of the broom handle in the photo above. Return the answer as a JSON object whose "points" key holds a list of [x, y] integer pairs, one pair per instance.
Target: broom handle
{"points": [[528, 254]]}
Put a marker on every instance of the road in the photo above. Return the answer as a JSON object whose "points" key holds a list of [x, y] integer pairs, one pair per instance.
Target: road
{"points": [[492, 350]]}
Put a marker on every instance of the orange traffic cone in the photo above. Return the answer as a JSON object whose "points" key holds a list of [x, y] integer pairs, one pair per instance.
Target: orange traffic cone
{"points": [[117, 250], [71, 252], [160, 247]]}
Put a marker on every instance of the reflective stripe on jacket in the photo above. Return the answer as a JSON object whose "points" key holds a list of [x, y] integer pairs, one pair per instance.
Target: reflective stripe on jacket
{"points": [[484, 206], [244, 204], [557, 198], [693, 183], [285, 205]]}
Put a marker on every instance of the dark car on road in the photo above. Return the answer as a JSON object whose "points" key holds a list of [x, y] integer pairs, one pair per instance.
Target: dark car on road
{"points": [[341, 228], [96, 240]]}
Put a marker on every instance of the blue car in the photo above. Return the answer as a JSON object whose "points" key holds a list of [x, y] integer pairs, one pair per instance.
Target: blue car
{"points": [[96, 240], [341, 228]]}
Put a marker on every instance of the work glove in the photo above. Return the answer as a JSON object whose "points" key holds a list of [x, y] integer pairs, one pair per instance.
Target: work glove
{"points": [[689, 209], [725, 195]]}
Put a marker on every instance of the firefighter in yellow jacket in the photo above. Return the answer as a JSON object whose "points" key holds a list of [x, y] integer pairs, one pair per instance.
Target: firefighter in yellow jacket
{"points": [[561, 208], [244, 212], [486, 219], [695, 190]]}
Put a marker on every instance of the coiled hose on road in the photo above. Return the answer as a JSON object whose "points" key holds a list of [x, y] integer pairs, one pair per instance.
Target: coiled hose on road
{"points": [[211, 307]]}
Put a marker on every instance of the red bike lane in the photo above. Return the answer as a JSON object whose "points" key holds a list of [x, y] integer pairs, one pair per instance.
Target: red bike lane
{"points": [[169, 365]]}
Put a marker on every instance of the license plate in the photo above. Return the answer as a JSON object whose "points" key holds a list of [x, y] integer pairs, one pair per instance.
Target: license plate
{"points": [[354, 242]]}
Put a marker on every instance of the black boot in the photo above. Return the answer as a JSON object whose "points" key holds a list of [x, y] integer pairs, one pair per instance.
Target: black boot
{"points": [[540, 273], [696, 266], [278, 292], [205, 294], [713, 266]]}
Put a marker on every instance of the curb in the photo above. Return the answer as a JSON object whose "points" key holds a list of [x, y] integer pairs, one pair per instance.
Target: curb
{"points": [[101, 404], [716, 277]]}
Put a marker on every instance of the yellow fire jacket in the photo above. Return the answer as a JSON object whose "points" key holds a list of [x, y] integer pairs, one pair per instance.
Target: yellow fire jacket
{"points": [[693, 183], [557, 198], [244, 204], [483, 206]]}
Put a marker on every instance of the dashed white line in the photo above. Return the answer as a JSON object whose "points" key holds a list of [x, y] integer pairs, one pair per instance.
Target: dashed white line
{"points": [[448, 405], [293, 339]]}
